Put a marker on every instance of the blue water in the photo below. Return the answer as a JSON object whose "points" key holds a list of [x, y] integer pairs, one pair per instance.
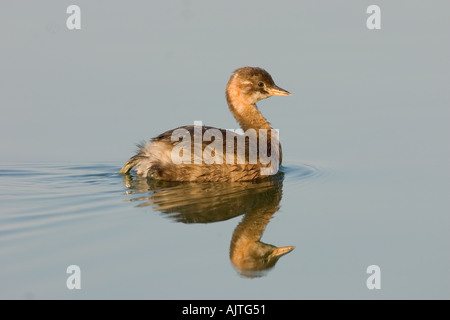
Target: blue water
{"points": [[133, 238], [365, 149], [120, 230]]}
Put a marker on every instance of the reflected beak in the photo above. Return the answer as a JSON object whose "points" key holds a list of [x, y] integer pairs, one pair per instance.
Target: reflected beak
{"points": [[278, 252], [277, 91]]}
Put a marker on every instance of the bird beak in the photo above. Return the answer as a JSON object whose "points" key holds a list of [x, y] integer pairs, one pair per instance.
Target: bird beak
{"points": [[277, 91], [278, 252]]}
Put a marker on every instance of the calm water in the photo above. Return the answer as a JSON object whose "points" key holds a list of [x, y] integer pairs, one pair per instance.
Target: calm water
{"points": [[365, 142], [134, 238]]}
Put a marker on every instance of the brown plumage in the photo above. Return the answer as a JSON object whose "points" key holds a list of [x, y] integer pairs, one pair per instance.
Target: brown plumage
{"points": [[246, 86]]}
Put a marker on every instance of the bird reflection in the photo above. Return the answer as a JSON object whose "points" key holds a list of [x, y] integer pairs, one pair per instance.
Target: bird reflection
{"points": [[191, 202]]}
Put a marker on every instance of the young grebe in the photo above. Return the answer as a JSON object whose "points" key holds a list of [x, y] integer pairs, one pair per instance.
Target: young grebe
{"points": [[246, 86]]}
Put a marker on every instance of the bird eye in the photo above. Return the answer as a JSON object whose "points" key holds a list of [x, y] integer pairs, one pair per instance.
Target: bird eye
{"points": [[260, 84]]}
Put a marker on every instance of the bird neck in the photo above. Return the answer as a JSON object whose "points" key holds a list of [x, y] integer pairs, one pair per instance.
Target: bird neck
{"points": [[245, 112]]}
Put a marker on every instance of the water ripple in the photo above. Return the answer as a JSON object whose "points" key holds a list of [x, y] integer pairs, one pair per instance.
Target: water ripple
{"points": [[36, 196]]}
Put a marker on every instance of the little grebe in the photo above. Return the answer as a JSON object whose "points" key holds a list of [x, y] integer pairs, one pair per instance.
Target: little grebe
{"points": [[246, 86]]}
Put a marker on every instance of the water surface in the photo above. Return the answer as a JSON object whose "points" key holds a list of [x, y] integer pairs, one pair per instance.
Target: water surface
{"points": [[365, 145], [137, 238]]}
